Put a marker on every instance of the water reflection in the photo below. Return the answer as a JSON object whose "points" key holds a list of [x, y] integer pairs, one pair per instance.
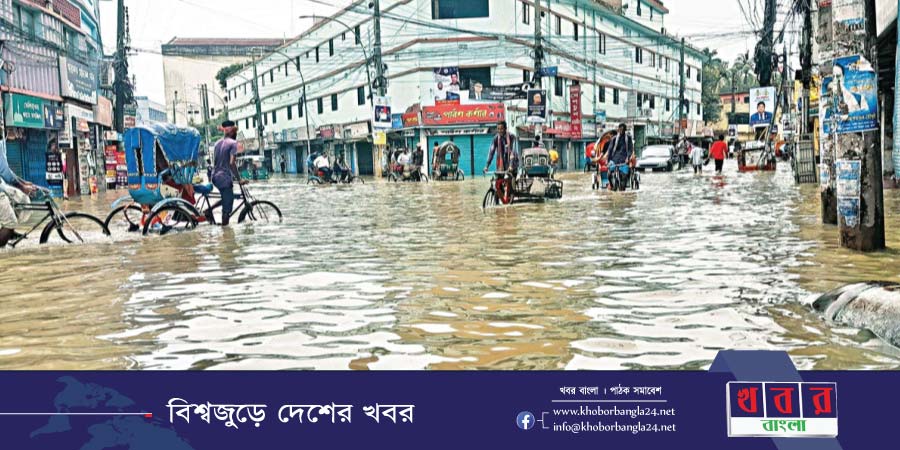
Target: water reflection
{"points": [[414, 276]]}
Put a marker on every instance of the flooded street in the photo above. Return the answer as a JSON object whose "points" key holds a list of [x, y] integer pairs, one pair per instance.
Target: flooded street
{"points": [[384, 276]]}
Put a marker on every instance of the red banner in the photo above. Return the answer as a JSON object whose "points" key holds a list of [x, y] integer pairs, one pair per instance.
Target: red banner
{"points": [[561, 130], [575, 110], [410, 120], [488, 113]]}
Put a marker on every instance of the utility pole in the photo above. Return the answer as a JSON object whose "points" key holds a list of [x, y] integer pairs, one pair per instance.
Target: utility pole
{"points": [[380, 79], [681, 99], [204, 101], [806, 40], [827, 144], [868, 234], [174, 112], [765, 46], [260, 128], [121, 69], [538, 44]]}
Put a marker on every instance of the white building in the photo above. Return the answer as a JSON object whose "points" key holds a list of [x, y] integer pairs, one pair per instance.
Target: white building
{"points": [[149, 111], [618, 52], [191, 62]]}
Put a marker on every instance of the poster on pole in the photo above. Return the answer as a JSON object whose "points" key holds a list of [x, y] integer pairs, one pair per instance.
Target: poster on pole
{"points": [[848, 174], [383, 112], [575, 110], [537, 106], [446, 84], [850, 97], [480, 92], [763, 101], [849, 19]]}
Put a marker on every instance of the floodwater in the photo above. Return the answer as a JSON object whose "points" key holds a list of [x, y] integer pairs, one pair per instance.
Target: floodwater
{"points": [[411, 276]]}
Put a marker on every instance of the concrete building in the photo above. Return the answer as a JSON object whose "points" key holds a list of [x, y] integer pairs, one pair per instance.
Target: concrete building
{"points": [[615, 57], [190, 62], [149, 112], [54, 112]]}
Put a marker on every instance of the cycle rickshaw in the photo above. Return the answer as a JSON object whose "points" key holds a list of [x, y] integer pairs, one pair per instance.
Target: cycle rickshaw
{"points": [[534, 184], [447, 163], [165, 192]]}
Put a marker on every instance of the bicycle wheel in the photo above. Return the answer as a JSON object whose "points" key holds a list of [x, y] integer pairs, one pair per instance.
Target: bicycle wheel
{"points": [[490, 200], [126, 218], [74, 228], [168, 219], [261, 212]]}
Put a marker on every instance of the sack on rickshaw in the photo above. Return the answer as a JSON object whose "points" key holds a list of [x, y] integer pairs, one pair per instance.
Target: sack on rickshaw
{"points": [[538, 187]]}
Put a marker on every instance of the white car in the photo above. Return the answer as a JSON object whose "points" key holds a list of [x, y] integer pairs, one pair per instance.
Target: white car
{"points": [[658, 157]]}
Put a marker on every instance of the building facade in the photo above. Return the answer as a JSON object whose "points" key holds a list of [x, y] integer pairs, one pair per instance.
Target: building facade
{"points": [[613, 62], [149, 112], [190, 62], [54, 114]]}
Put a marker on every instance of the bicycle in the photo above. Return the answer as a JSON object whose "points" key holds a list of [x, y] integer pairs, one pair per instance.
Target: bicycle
{"points": [[246, 207], [500, 192], [619, 184], [70, 227]]}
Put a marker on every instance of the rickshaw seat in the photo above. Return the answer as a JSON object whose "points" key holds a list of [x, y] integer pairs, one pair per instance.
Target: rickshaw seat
{"points": [[203, 189], [538, 171]]}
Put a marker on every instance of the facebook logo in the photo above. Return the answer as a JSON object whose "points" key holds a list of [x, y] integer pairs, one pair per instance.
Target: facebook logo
{"points": [[525, 420]]}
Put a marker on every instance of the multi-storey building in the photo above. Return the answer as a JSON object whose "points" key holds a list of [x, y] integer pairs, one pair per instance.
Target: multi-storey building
{"points": [[149, 112], [626, 67], [191, 62], [53, 112]]}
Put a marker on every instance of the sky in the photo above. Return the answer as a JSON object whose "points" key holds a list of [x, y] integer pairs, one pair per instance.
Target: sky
{"points": [[155, 22]]}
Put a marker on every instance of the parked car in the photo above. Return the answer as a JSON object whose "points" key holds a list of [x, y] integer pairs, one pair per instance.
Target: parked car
{"points": [[659, 157]]}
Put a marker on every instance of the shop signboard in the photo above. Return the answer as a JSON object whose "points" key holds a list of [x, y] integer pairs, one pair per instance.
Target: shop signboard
{"points": [[79, 82], [562, 129], [54, 117], [25, 111], [359, 130], [487, 113], [575, 110], [397, 121], [480, 92], [103, 112], [411, 120]]}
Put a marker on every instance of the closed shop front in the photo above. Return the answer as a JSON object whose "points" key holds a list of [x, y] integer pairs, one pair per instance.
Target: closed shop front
{"points": [[31, 123]]}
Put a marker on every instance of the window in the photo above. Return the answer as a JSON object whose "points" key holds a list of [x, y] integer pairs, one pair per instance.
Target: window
{"points": [[526, 13], [526, 76], [245, 88], [688, 71], [265, 119], [652, 59], [357, 35], [667, 64], [272, 76], [651, 13], [297, 62], [320, 105], [300, 109], [459, 9], [652, 102], [615, 96], [469, 76], [334, 102], [747, 100], [247, 123], [290, 112], [559, 86], [639, 8], [317, 54], [602, 93], [263, 78], [668, 105], [254, 122], [639, 55], [331, 47], [558, 24], [601, 43], [307, 55], [361, 95], [699, 106], [699, 76], [274, 117], [575, 30], [344, 36]]}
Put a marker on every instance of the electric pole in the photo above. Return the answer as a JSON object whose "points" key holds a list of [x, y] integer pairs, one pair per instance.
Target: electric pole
{"points": [[204, 101], [867, 234], [260, 128], [380, 79], [765, 46], [681, 99], [827, 143], [121, 69], [806, 62], [538, 44], [174, 113]]}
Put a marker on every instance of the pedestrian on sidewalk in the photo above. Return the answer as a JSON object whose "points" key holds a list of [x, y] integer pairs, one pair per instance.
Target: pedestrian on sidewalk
{"points": [[719, 152], [697, 156]]}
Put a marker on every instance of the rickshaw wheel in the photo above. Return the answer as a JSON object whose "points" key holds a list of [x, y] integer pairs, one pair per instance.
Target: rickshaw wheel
{"points": [[490, 200], [261, 211], [133, 223], [76, 227], [169, 218]]}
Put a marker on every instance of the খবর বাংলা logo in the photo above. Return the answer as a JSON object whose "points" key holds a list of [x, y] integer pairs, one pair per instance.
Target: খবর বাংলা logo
{"points": [[776, 409]]}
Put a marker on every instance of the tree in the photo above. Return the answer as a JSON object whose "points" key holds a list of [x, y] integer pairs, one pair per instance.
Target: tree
{"points": [[714, 72], [227, 72]]}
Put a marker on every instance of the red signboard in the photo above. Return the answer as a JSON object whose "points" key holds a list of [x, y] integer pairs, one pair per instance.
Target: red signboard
{"points": [[326, 132], [561, 130], [575, 110], [410, 120], [488, 113]]}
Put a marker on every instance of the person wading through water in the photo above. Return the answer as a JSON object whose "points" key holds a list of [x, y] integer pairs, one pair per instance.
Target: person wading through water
{"points": [[225, 169]]}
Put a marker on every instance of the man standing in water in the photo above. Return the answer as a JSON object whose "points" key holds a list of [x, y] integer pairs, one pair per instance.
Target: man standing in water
{"points": [[225, 170], [502, 146], [718, 152]]}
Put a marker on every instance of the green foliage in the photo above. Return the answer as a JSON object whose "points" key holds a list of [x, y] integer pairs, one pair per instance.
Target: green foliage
{"points": [[226, 72]]}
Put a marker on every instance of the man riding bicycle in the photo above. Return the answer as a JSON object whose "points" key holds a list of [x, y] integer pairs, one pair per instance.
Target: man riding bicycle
{"points": [[619, 152], [503, 146], [12, 188]]}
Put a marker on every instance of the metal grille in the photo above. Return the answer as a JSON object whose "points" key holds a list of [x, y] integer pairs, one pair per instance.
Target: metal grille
{"points": [[805, 163]]}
